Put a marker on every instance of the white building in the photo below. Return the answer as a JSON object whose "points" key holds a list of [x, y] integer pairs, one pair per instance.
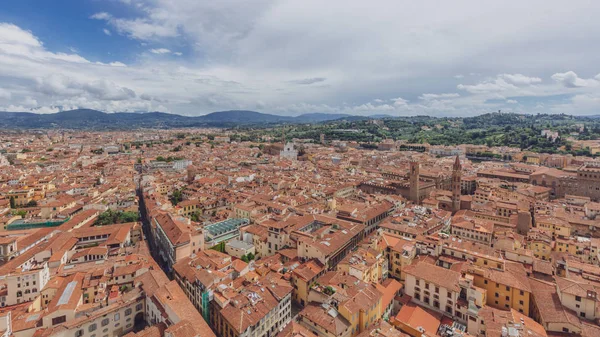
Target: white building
{"points": [[289, 152], [181, 164], [4, 161]]}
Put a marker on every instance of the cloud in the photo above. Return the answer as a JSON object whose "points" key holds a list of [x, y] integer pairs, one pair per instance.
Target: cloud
{"points": [[61, 85], [160, 51], [107, 32], [306, 81], [5, 94], [28, 101], [427, 97], [570, 79], [11, 35], [268, 55], [400, 102], [489, 86], [154, 26], [503, 84], [163, 51], [101, 16], [519, 79]]}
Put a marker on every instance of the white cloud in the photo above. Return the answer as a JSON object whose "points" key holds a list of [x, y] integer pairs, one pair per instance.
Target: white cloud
{"points": [[28, 101], [154, 26], [107, 32], [570, 79], [160, 51], [255, 55], [11, 35], [101, 16], [5, 94], [497, 85], [519, 79], [399, 102], [427, 97]]}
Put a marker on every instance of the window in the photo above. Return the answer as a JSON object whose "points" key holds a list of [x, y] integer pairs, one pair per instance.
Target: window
{"points": [[521, 302], [104, 322], [484, 281], [578, 298], [521, 292], [128, 311], [138, 307], [59, 319], [79, 333], [117, 316], [92, 327]]}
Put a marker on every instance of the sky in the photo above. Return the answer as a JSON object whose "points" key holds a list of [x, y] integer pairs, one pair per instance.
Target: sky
{"points": [[394, 57]]}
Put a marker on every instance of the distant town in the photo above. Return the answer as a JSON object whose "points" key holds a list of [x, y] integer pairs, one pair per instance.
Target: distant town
{"points": [[373, 227]]}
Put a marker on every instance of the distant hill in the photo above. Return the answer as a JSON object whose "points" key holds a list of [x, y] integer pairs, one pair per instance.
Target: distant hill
{"points": [[93, 119]]}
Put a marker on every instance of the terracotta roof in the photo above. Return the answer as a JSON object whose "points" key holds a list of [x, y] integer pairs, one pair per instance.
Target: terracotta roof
{"points": [[437, 275], [319, 315], [414, 316]]}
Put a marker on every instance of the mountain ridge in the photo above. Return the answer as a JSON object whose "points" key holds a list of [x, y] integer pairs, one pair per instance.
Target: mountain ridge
{"points": [[94, 119]]}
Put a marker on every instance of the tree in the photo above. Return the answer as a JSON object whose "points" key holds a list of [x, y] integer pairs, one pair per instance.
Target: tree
{"points": [[176, 197], [32, 203], [195, 216], [12, 202], [245, 258], [111, 217], [250, 256]]}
